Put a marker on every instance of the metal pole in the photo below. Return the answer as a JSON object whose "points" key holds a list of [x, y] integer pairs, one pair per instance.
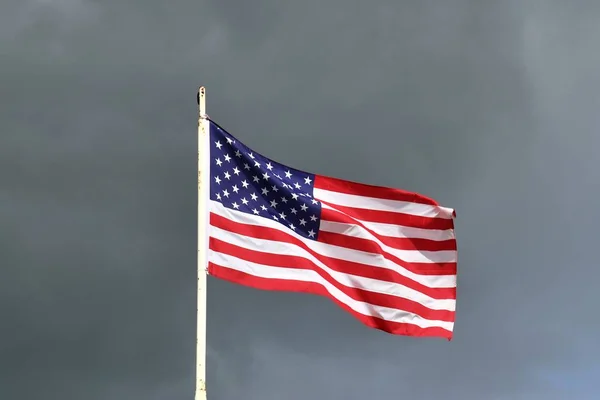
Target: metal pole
{"points": [[203, 182]]}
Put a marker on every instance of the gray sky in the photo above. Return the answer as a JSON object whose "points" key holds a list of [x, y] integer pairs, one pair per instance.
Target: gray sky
{"points": [[490, 107]]}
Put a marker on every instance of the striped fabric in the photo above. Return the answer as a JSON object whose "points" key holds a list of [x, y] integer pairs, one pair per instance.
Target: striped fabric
{"points": [[385, 255]]}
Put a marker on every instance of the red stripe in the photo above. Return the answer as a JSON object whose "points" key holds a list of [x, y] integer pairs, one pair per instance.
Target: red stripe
{"points": [[393, 218], [248, 280], [288, 261], [361, 189], [372, 247], [342, 266], [340, 239]]}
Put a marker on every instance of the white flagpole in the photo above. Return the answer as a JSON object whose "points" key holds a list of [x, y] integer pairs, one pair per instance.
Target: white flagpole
{"points": [[203, 182]]}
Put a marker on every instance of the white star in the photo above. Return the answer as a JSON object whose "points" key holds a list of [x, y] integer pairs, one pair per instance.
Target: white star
{"points": [[256, 164], [225, 193], [285, 185], [218, 180], [293, 227], [235, 205], [227, 176], [304, 207], [229, 140], [255, 179], [284, 199], [273, 204], [265, 191], [266, 176], [269, 166], [307, 180], [314, 201], [288, 174], [251, 155], [262, 207], [235, 189], [218, 196], [254, 196], [275, 218], [278, 176], [246, 166], [244, 184], [282, 215], [255, 211], [302, 221], [245, 201], [294, 211], [297, 185], [236, 171], [311, 233], [218, 161], [294, 196], [275, 189], [227, 158], [313, 217], [238, 154], [218, 144]]}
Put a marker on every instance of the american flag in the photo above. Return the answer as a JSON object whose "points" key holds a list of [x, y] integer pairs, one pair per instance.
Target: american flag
{"points": [[385, 255]]}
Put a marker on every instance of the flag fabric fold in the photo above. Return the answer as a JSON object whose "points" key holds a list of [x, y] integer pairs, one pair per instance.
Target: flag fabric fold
{"points": [[387, 256]]}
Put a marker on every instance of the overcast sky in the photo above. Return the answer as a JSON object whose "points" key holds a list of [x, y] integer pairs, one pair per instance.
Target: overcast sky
{"points": [[489, 107]]}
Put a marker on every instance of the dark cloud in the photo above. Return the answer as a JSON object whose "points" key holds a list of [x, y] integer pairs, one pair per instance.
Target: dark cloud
{"points": [[490, 108]]}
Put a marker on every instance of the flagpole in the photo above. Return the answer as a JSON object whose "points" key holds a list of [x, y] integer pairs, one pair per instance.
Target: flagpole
{"points": [[203, 132]]}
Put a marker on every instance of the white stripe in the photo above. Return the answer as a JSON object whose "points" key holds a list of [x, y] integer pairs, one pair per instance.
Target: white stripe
{"points": [[352, 281], [371, 203], [342, 253], [441, 256], [303, 275], [399, 231]]}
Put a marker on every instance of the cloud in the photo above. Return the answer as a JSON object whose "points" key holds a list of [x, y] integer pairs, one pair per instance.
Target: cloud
{"points": [[490, 108]]}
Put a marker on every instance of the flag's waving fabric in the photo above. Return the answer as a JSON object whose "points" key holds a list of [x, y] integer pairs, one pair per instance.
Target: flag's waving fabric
{"points": [[385, 255]]}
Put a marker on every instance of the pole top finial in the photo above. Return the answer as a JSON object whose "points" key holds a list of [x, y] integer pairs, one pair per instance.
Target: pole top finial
{"points": [[201, 91]]}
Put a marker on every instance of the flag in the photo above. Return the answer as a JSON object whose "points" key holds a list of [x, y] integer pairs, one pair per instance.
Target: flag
{"points": [[385, 255]]}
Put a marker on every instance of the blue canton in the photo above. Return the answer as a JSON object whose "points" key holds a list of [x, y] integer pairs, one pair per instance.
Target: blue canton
{"points": [[246, 181]]}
